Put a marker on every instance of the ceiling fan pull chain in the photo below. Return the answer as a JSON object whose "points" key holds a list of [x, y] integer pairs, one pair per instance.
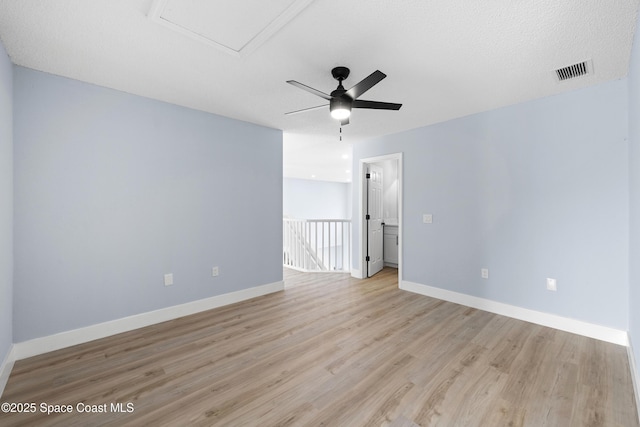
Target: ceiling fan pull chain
{"points": [[340, 133]]}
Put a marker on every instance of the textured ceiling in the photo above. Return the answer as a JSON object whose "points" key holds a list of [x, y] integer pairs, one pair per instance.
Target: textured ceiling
{"points": [[444, 59]]}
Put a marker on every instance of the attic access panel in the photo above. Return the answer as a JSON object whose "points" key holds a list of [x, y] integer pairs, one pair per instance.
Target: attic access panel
{"points": [[236, 27]]}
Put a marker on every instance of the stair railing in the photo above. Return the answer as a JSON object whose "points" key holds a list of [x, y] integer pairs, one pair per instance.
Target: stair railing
{"points": [[322, 245]]}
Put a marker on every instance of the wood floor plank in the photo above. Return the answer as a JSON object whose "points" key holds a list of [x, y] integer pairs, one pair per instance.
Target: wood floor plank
{"points": [[333, 350]]}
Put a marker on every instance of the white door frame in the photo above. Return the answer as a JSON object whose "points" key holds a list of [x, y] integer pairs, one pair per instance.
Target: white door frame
{"points": [[362, 194]]}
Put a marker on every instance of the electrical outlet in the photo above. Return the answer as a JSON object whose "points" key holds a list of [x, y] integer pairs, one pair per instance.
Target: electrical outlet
{"points": [[552, 285], [484, 273], [168, 279], [215, 271]]}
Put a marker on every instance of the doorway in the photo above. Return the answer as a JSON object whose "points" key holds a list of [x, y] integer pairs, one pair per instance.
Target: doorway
{"points": [[380, 207]]}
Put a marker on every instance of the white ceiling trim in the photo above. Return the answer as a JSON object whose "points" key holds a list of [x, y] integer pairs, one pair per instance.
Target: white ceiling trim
{"points": [[158, 8]]}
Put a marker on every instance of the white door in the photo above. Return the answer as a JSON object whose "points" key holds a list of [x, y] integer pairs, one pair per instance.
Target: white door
{"points": [[374, 221]]}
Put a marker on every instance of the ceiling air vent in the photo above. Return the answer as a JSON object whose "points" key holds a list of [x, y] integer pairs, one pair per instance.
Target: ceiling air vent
{"points": [[572, 71]]}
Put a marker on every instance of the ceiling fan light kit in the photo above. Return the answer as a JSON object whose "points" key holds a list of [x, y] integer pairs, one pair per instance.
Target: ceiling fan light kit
{"points": [[342, 101], [340, 109]]}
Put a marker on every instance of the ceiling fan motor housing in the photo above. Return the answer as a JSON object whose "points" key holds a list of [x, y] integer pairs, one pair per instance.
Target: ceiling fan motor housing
{"points": [[340, 103]]}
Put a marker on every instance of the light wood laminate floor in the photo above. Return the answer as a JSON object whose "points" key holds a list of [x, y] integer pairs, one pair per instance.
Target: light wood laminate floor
{"points": [[333, 351]]}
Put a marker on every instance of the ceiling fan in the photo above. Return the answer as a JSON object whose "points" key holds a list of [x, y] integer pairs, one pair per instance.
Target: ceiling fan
{"points": [[341, 101]]}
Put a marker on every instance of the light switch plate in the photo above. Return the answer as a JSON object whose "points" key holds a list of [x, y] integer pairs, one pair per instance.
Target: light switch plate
{"points": [[427, 218], [168, 279], [552, 285]]}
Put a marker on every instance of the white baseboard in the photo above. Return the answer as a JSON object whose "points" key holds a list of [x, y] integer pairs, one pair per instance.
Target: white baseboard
{"points": [[356, 273], [42, 345], [635, 379], [579, 327], [5, 368]]}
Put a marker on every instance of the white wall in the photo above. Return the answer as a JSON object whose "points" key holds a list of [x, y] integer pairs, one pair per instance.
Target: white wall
{"points": [[634, 191], [6, 205], [530, 191], [309, 199], [112, 191], [389, 191]]}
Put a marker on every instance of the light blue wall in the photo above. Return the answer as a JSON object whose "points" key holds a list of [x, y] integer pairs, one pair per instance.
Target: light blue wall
{"points": [[530, 191], [307, 199], [634, 192], [6, 203], [114, 190]]}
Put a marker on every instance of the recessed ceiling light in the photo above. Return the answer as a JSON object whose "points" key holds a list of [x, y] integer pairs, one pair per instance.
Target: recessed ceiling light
{"points": [[348, 171], [345, 156]]}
